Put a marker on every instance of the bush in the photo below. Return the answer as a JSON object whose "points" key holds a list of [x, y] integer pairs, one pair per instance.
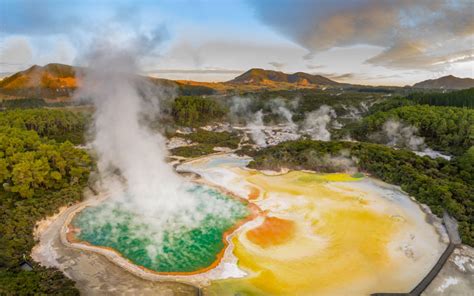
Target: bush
{"points": [[196, 111]]}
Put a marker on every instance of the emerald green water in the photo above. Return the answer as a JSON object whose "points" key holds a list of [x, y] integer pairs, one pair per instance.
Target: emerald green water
{"points": [[173, 246]]}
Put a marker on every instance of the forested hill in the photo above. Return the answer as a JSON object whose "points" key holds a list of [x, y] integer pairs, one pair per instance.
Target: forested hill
{"points": [[446, 82]]}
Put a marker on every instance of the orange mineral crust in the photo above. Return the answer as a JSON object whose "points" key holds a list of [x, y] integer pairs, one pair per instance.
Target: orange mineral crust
{"points": [[254, 193], [273, 231]]}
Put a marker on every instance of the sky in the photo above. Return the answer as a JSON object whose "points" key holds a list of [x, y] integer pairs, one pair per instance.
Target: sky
{"points": [[376, 42]]}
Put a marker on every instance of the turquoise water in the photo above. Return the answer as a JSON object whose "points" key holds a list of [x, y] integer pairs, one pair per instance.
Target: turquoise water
{"points": [[228, 160], [164, 246]]}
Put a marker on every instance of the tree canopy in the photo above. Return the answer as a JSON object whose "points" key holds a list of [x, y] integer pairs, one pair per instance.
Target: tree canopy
{"points": [[449, 129]]}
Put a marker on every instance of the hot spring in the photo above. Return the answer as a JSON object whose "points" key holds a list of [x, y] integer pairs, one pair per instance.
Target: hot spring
{"points": [[178, 244], [272, 233]]}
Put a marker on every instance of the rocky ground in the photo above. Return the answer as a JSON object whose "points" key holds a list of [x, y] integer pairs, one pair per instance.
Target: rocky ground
{"points": [[457, 276]]}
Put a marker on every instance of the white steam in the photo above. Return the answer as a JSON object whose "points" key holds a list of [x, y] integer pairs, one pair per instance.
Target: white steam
{"points": [[124, 143], [265, 135], [316, 123], [239, 107], [279, 107], [403, 135], [256, 127]]}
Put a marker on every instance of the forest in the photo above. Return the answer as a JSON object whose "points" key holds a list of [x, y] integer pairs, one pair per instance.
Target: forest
{"points": [[449, 129], [196, 111], [460, 98], [38, 176], [59, 125]]}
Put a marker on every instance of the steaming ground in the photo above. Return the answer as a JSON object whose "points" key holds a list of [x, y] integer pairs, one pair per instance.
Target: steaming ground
{"points": [[318, 124]]}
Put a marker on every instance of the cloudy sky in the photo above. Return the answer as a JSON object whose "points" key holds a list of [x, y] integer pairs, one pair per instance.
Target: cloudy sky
{"points": [[390, 42]]}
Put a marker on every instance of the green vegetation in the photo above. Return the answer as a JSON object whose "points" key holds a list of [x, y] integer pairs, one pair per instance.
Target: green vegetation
{"points": [[438, 183], [22, 103], [460, 98], [448, 129], [389, 104], [59, 125], [193, 151], [217, 139], [207, 141], [38, 176], [41, 281], [196, 111], [194, 90]]}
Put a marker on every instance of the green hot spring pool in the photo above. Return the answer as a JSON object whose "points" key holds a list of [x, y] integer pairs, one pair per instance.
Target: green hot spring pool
{"points": [[170, 246]]}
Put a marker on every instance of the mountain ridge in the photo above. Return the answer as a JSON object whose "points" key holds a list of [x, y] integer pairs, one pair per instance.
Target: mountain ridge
{"points": [[262, 76], [446, 82], [58, 81]]}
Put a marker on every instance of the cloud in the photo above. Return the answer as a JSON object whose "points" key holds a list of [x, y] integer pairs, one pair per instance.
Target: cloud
{"points": [[341, 76], [15, 52], [361, 77], [312, 67], [277, 65], [418, 55], [195, 71], [421, 34]]}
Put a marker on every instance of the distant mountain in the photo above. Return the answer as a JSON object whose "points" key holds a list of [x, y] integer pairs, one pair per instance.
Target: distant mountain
{"points": [[49, 76], [269, 77], [446, 82], [58, 82]]}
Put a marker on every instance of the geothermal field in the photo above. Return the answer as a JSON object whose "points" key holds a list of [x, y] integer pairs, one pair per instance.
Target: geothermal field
{"points": [[237, 148], [247, 217], [272, 232]]}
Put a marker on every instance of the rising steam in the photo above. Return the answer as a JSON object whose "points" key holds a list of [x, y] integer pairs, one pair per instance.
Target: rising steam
{"points": [[403, 135], [316, 123], [131, 157], [256, 127], [279, 107], [124, 144]]}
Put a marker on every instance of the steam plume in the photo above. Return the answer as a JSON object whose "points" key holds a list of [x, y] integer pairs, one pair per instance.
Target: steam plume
{"points": [[316, 122], [256, 127], [123, 142], [403, 135], [279, 107]]}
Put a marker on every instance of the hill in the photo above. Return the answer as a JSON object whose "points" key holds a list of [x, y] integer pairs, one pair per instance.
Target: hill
{"points": [[57, 82], [446, 82], [50, 81], [269, 77], [49, 76]]}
